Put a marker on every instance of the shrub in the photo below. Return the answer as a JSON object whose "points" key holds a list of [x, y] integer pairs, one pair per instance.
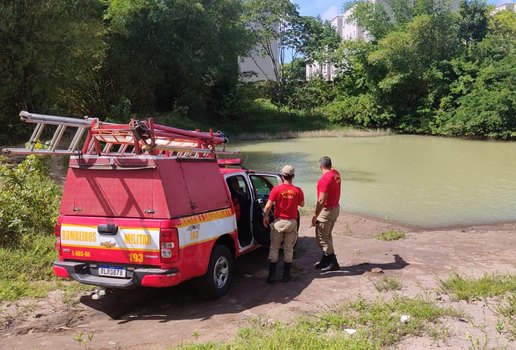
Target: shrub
{"points": [[311, 94], [29, 199], [391, 235], [356, 110], [27, 268]]}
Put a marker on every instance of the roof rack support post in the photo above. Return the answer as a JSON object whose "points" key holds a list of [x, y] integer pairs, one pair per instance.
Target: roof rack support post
{"points": [[89, 136]]}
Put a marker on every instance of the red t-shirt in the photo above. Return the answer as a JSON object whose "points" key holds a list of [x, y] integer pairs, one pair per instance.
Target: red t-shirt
{"points": [[287, 198], [330, 183]]}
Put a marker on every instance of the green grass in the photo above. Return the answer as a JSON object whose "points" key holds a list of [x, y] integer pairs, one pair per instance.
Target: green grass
{"points": [[391, 235], [27, 268], [377, 323], [386, 283], [489, 285], [507, 309], [27, 271], [498, 285]]}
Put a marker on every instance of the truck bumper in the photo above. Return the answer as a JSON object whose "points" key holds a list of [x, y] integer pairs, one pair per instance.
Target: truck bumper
{"points": [[145, 277]]}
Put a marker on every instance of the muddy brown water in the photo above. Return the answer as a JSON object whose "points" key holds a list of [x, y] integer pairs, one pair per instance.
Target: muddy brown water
{"points": [[421, 181]]}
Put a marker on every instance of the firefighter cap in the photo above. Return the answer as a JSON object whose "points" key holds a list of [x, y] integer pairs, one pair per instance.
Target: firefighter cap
{"points": [[288, 170]]}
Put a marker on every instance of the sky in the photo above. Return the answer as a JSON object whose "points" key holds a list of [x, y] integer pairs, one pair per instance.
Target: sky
{"points": [[328, 9]]}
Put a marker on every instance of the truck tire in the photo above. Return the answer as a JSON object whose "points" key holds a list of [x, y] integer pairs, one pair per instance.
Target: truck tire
{"points": [[215, 283]]}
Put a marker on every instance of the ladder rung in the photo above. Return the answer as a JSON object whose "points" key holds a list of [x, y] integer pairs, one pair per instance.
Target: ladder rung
{"points": [[77, 137], [35, 135], [57, 137]]}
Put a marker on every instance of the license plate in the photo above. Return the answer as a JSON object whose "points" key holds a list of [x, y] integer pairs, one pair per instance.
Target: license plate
{"points": [[112, 271]]}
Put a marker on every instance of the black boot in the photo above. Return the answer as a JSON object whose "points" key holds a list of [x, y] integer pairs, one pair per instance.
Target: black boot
{"points": [[323, 263], [272, 273], [286, 272], [333, 265]]}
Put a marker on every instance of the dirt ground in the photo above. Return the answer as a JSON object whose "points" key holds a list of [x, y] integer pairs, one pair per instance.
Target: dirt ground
{"points": [[161, 318]]}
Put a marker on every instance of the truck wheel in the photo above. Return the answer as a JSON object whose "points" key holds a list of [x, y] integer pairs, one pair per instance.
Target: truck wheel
{"points": [[215, 283]]}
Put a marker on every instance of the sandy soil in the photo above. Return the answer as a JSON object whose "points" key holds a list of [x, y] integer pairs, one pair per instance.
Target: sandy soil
{"points": [[157, 319]]}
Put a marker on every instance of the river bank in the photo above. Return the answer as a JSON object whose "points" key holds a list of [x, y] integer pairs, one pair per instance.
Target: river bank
{"points": [[335, 132], [165, 318]]}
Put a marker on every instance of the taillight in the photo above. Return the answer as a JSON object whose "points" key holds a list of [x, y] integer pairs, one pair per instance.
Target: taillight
{"points": [[169, 245], [57, 233]]}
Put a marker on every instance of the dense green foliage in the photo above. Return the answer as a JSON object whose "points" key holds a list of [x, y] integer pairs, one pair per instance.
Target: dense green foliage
{"points": [[29, 203], [426, 69], [27, 268], [49, 52], [29, 200], [430, 70], [114, 58]]}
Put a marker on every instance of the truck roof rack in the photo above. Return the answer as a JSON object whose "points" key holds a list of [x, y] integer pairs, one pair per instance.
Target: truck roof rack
{"points": [[138, 137]]}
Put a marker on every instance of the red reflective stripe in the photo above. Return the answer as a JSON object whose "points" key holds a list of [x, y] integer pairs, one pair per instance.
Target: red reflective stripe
{"points": [[161, 280], [61, 272]]}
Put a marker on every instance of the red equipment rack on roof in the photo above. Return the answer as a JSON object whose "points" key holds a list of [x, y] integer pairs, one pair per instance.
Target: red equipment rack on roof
{"points": [[138, 137]]}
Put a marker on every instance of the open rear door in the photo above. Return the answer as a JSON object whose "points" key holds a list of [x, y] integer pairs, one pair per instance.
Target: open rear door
{"points": [[262, 187]]}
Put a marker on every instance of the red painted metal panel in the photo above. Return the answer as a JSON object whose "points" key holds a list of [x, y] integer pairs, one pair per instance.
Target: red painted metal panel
{"points": [[192, 187], [114, 193], [174, 187], [205, 185], [132, 190], [148, 188]]}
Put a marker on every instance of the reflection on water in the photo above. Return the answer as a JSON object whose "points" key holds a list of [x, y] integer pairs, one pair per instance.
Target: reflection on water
{"points": [[415, 180]]}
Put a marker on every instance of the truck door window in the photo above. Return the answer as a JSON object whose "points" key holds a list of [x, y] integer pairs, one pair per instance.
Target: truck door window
{"points": [[263, 185]]}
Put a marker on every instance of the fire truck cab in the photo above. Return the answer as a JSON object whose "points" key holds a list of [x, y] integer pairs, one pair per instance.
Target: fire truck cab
{"points": [[149, 205]]}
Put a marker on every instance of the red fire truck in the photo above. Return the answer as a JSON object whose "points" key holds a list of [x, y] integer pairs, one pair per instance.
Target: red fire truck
{"points": [[150, 205]]}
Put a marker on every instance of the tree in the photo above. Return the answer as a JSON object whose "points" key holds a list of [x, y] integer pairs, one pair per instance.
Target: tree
{"points": [[373, 17], [272, 22], [47, 49], [482, 101], [410, 59], [175, 53], [473, 20], [295, 71], [316, 40]]}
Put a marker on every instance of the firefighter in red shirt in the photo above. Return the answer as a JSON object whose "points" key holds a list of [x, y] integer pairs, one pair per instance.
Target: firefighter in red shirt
{"points": [[326, 212], [286, 198]]}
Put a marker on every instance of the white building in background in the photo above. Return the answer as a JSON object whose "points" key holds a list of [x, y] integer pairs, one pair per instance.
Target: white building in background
{"points": [[350, 30], [511, 6], [257, 67], [347, 30]]}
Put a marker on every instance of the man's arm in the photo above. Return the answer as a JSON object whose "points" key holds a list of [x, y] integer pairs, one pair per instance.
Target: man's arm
{"points": [[319, 206], [302, 202], [266, 212]]}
